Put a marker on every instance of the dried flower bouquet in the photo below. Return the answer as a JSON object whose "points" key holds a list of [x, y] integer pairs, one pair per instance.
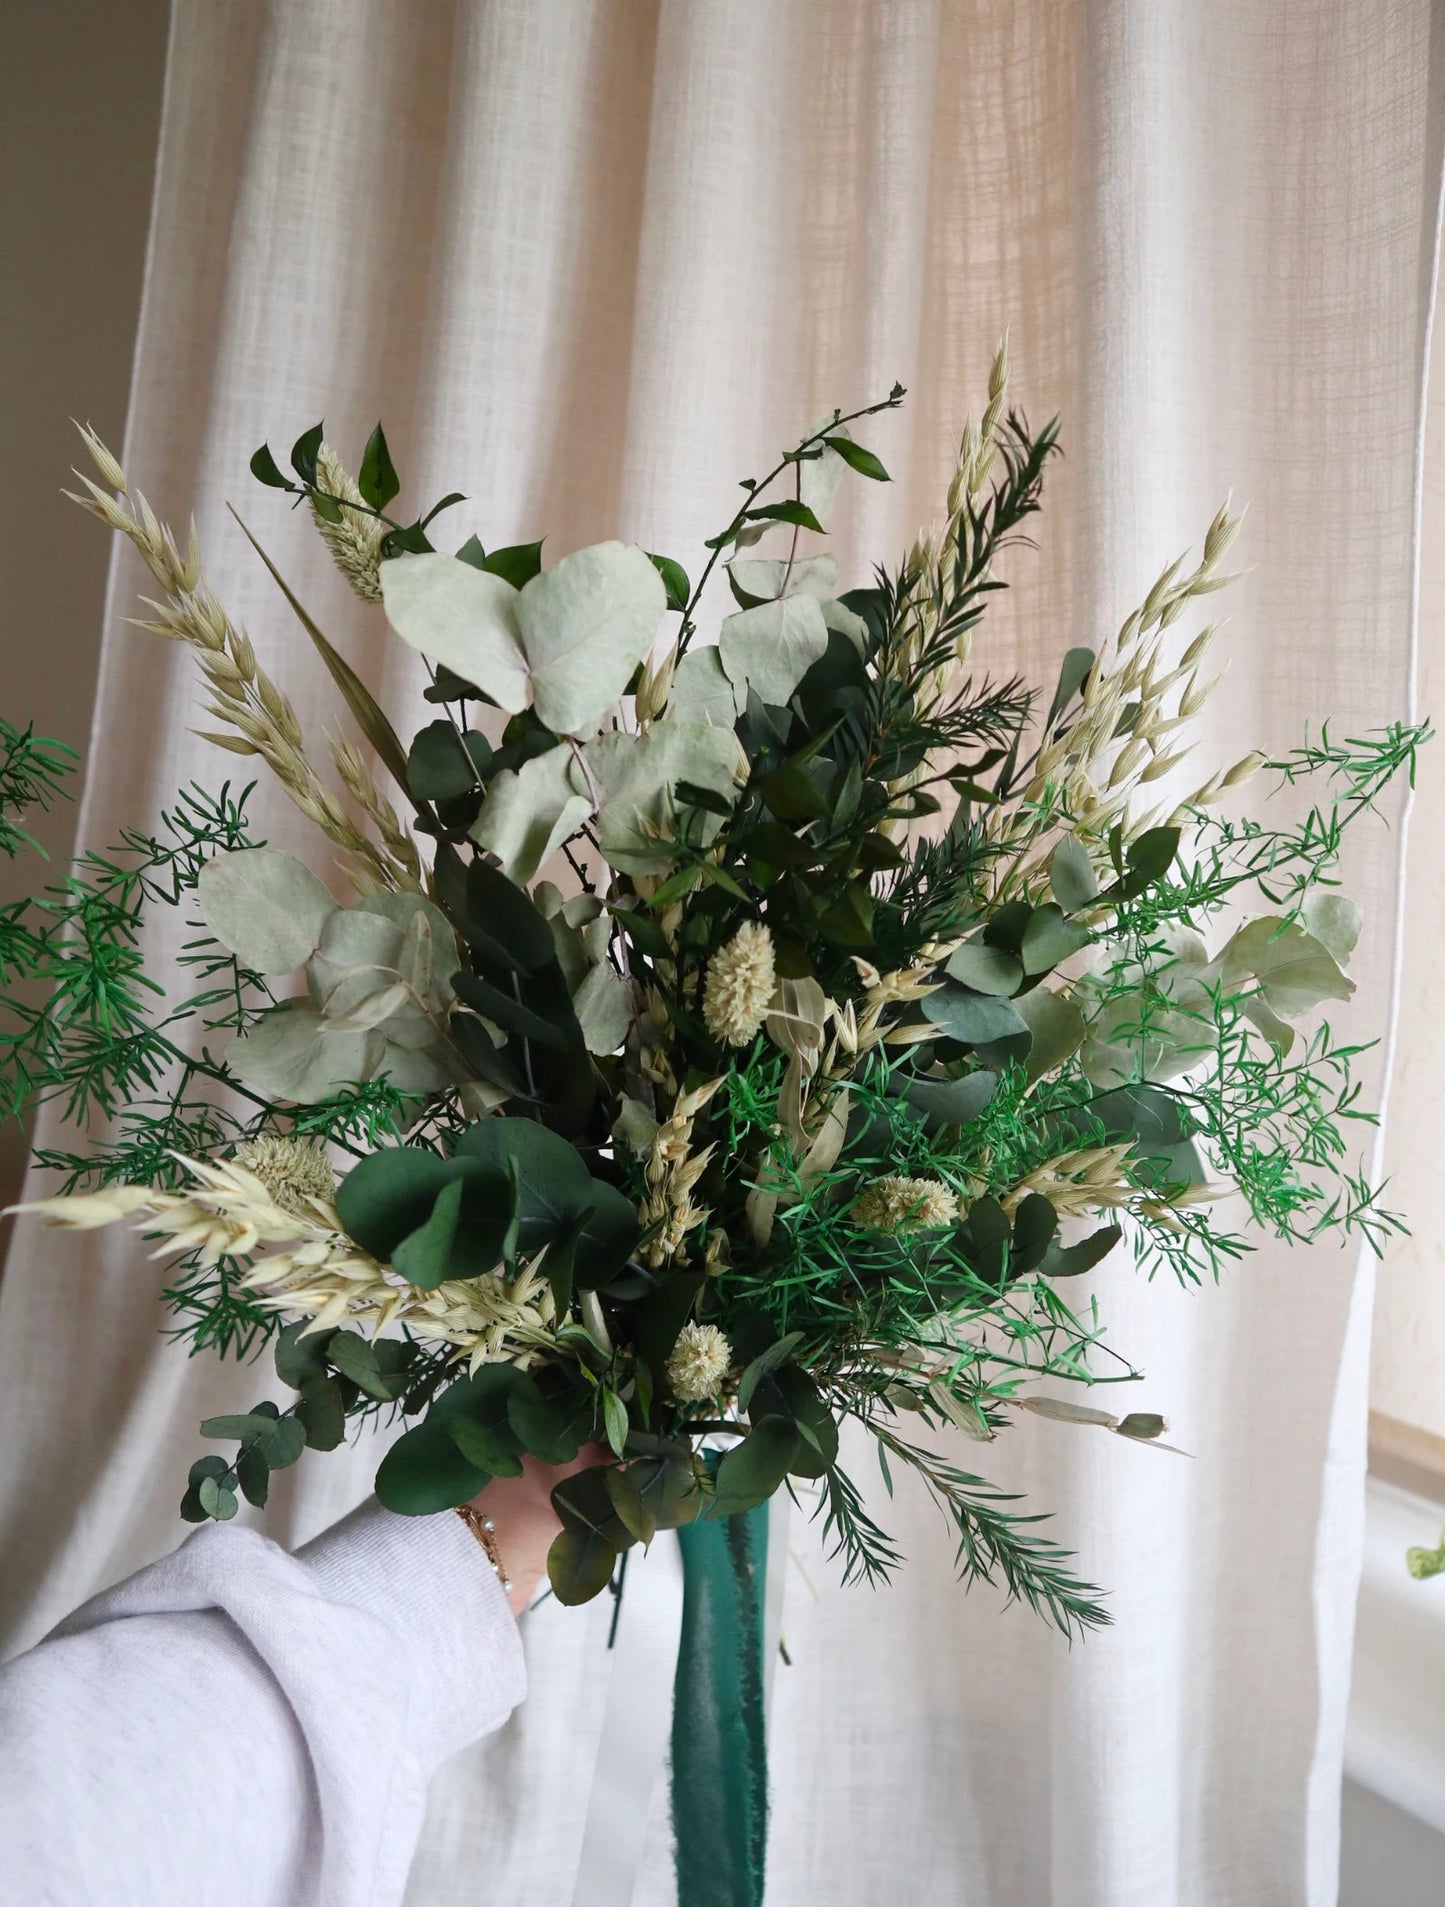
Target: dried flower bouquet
{"points": [[697, 1046]]}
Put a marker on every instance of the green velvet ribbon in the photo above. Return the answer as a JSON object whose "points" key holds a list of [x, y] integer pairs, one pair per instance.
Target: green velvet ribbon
{"points": [[719, 1740]]}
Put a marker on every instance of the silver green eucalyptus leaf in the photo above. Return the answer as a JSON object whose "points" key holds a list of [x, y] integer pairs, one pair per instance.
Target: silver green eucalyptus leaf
{"points": [[460, 616], [601, 998], [267, 907], [1293, 969], [771, 648], [530, 812], [585, 627], [294, 1053], [603, 1005], [762, 579], [635, 1126], [701, 692], [365, 998], [1057, 1027], [820, 477], [581, 928], [1142, 1037], [1335, 922], [845, 623], [634, 776]]}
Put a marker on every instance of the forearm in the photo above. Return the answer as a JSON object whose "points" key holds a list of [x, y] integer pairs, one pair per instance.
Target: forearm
{"points": [[239, 1725]]}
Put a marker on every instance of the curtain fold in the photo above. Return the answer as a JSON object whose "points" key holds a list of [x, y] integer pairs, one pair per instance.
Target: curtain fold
{"points": [[593, 261]]}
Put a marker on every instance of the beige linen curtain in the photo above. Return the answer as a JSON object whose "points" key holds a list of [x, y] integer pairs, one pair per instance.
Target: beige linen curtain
{"points": [[592, 263]]}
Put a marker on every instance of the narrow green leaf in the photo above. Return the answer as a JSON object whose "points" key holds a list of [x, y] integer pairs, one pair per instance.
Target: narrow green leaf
{"points": [[363, 705], [304, 453], [789, 510], [265, 469], [674, 580], [857, 458], [378, 481]]}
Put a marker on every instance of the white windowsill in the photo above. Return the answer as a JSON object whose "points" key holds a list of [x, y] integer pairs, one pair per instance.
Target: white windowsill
{"points": [[1395, 1745]]}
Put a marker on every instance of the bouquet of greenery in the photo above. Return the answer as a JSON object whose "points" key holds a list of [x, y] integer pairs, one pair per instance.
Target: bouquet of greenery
{"points": [[707, 1044]]}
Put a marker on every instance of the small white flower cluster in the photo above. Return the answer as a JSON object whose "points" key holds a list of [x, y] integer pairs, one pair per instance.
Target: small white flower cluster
{"points": [[897, 1204], [741, 981], [698, 1363]]}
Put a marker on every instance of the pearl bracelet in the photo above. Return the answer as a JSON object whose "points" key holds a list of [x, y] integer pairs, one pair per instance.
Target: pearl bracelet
{"points": [[485, 1531]]}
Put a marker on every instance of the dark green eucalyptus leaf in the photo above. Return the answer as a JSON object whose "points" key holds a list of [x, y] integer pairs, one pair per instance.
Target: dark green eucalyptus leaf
{"points": [[1152, 854], [321, 1412], [656, 1492], [1034, 1227], [583, 1501], [253, 1473], [790, 1392], [442, 765], [510, 928], [951, 1102], [972, 1018], [238, 1427], [1006, 928], [1068, 1261], [211, 1465], [753, 1470], [424, 1257], [282, 1444], [986, 969], [579, 1566], [355, 1357], [985, 1238], [377, 480], [424, 1471], [484, 1447], [300, 1355], [554, 1423], [766, 1361], [389, 1194], [1050, 938]]}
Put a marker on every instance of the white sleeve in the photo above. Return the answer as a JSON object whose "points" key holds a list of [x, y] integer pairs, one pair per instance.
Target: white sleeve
{"points": [[238, 1727]]}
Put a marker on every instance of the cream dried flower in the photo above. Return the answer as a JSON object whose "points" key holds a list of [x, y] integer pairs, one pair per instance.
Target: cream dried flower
{"points": [[354, 542], [741, 978], [698, 1363], [294, 1171], [896, 1204]]}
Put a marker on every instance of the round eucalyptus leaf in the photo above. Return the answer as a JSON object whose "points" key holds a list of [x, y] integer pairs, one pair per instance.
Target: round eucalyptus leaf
{"points": [[462, 617], [585, 625], [267, 907], [750, 1473], [293, 1053], [579, 1566], [986, 969]]}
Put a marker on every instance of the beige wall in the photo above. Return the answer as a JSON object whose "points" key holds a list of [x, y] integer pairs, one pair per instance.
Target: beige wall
{"points": [[80, 92]]}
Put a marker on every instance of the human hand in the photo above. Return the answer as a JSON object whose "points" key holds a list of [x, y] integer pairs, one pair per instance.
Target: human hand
{"points": [[525, 1521]]}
